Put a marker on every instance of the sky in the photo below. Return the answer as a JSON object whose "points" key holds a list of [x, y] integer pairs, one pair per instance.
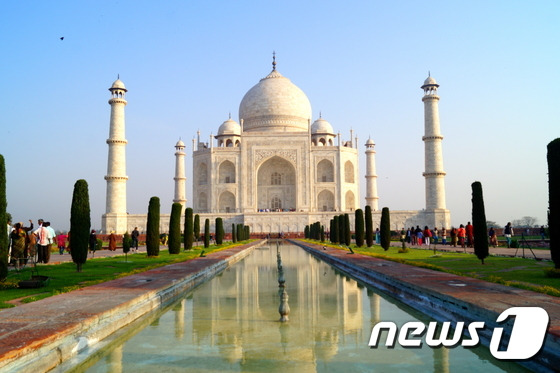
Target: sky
{"points": [[188, 64]]}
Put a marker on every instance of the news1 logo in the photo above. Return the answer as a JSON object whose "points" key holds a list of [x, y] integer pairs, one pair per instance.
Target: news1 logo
{"points": [[526, 339]]}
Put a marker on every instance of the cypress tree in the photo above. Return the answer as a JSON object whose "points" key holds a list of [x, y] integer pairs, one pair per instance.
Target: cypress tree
{"points": [[152, 227], [359, 227], [3, 222], [322, 233], [247, 232], [233, 233], [126, 244], [206, 233], [240, 232], [80, 223], [369, 226], [480, 229], [553, 158], [189, 229], [347, 232], [385, 229], [219, 231], [306, 231], [174, 242], [341, 234], [196, 228], [335, 230]]}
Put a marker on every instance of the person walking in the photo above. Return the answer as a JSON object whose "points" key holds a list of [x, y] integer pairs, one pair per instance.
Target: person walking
{"points": [[42, 234], [493, 237], [134, 236], [443, 236], [469, 232], [461, 234], [61, 242], [112, 241], [92, 240], [17, 236], [508, 233]]}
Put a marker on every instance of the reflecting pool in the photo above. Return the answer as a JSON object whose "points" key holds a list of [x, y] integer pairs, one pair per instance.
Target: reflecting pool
{"points": [[231, 323]]}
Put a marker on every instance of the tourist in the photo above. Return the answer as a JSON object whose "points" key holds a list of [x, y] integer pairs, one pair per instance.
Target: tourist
{"points": [[542, 231], [18, 236], [508, 232], [454, 236], [469, 230], [42, 234], [92, 241], [461, 235], [134, 236], [443, 236], [427, 235], [493, 237], [52, 237], [377, 236], [112, 241], [435, 235], [61, 242]]}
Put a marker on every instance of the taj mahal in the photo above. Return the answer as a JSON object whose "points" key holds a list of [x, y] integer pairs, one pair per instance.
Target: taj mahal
{"points": [[275, 170]]}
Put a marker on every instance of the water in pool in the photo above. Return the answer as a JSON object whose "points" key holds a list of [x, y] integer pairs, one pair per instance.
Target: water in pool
{"points": [[231, 323]]}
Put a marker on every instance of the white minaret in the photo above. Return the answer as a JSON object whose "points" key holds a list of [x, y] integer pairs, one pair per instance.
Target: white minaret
{"points": [[433, 155], [115, 217], [180, 179], [372, 200]]}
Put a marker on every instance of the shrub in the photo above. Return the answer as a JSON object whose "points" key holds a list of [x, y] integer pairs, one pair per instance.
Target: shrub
{"points": [[553, 159], [126, 243], [152, 227], [206, 233], [385, 228], [359, 227], [3, 222], [369, 226], [174, 242], [189, 229], [80, 223], [479, 222], [219, 231]]}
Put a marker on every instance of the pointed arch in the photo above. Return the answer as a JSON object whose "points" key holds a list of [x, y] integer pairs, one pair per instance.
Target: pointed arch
{"points": [[349, 172], [325, 171], [226, 172]]}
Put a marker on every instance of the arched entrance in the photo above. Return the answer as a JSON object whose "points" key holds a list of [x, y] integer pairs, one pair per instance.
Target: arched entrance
{"points": [[276, 185]]}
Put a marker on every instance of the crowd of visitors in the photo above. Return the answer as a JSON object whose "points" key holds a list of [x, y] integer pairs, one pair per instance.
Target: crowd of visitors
{"points": [[25, 242], [462, 236]]}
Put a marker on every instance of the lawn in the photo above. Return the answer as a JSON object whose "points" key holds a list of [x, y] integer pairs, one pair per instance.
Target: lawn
{"points": [[519, 272], [64, 278]]}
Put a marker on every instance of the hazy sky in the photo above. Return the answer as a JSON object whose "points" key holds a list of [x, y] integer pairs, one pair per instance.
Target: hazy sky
{"points": [[187, 65]]}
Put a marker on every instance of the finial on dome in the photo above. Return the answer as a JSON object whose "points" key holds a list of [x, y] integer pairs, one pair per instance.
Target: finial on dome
{"points": [[273, 60], [429, 73], [118, 76], [320, 114], [230, 115]]}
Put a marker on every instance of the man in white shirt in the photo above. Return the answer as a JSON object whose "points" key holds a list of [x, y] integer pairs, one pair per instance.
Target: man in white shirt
{"points": [[42, 234]]}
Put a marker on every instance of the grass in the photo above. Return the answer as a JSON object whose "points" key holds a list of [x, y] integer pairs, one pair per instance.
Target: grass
{"points": [[518, 272], [64, 278]]}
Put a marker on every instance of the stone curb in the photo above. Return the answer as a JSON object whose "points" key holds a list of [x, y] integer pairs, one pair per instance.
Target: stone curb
{"points": [[41, 335]]}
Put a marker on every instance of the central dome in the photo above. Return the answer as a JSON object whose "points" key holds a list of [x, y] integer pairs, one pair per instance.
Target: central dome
{"points": [[275, 104]]}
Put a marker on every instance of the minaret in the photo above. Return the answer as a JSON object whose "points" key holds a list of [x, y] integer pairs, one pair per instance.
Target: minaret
{"points": [[371, 178], [433, 156], [115, 217], [180, 179]]}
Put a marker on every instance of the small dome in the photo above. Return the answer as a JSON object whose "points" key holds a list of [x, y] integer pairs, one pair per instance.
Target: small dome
{"points": [[321, 126], [118, 84], [180, 144], [430, 81], [229, 127], [370, 142]]}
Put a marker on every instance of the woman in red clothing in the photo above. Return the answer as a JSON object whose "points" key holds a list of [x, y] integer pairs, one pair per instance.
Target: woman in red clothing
{"points": [[461, 233]]}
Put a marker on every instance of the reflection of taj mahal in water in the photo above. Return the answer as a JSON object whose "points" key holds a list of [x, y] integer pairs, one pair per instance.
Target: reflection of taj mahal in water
{"points": [[275, 170]]}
